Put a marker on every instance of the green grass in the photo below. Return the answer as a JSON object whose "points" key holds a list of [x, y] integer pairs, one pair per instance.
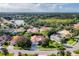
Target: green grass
{"points": [[76, 51], [17, 48], [5, 46], [51, 46], [71, 42], [54, 20], [52, 55], [44, 49], [1, 54], [10, 54], [29, 54]]}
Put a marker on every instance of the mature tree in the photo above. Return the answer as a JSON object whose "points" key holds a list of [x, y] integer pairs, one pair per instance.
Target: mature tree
{"points": [[6, 43], [64, 53], [19, 54], [68, 53], [5, 51], [24, 43], [61, 53], [28, 35], [45, 43]]}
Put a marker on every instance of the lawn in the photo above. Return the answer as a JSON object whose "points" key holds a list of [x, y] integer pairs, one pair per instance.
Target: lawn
{"points": [[1, 54], [76, 51], [54, 20], [52, 46], [17, 48], [45, 48], [52, 55], [29, 54], [5, 46], [10, 54], [71, 42]]}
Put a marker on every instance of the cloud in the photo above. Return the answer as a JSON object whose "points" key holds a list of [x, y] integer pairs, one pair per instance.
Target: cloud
{"points": [[35, 7], [3, 5], [23, 7]]}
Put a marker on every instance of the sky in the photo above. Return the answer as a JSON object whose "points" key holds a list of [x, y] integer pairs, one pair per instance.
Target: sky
{"points": [[39, 7]]}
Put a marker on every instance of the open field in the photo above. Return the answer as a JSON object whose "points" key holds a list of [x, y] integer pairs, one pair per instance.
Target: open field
{"points": [[60, 21]]}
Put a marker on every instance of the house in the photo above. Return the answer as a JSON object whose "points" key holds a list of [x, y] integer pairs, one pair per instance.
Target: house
{"points": [[37, 38], [60, 35], [6, 37], [17, 22], [14, 31], [64, 33], [76, 26], [55, 37], [3, 26], [45, 29], [33, 30], [19, 30], [5, 21], [15, 39], [8, 30], [2, 39]]}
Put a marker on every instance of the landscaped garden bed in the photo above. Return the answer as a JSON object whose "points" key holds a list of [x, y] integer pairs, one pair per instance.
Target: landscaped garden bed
{"points": [[72, 42]]}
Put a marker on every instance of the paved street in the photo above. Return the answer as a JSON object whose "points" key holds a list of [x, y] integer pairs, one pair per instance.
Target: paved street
{"points": [[11, 50], [40, 53], [33, 52]]}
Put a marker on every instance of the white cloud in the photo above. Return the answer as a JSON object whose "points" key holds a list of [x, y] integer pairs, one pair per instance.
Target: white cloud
{"points": [[3, 4], [18, 7], [35, 7]]}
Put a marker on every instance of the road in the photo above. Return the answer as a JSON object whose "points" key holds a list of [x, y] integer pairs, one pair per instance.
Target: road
{"points": [[11, 50], [33, 52]]}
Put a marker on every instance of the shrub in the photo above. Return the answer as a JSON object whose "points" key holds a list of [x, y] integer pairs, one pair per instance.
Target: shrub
{"points": [[19, 54], [61, 53], [45, 43], [64, 53], [76, 51], [24, 43], [68, 53], [30, 54], [10, 54], [52, 54], [7, 43], [5, 51]]}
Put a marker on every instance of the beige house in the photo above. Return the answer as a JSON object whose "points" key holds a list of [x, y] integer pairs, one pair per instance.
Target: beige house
{"points": [[45, 29], [76, 26], [64, 33], [37, 38], [33, 30], [19, 30]]}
